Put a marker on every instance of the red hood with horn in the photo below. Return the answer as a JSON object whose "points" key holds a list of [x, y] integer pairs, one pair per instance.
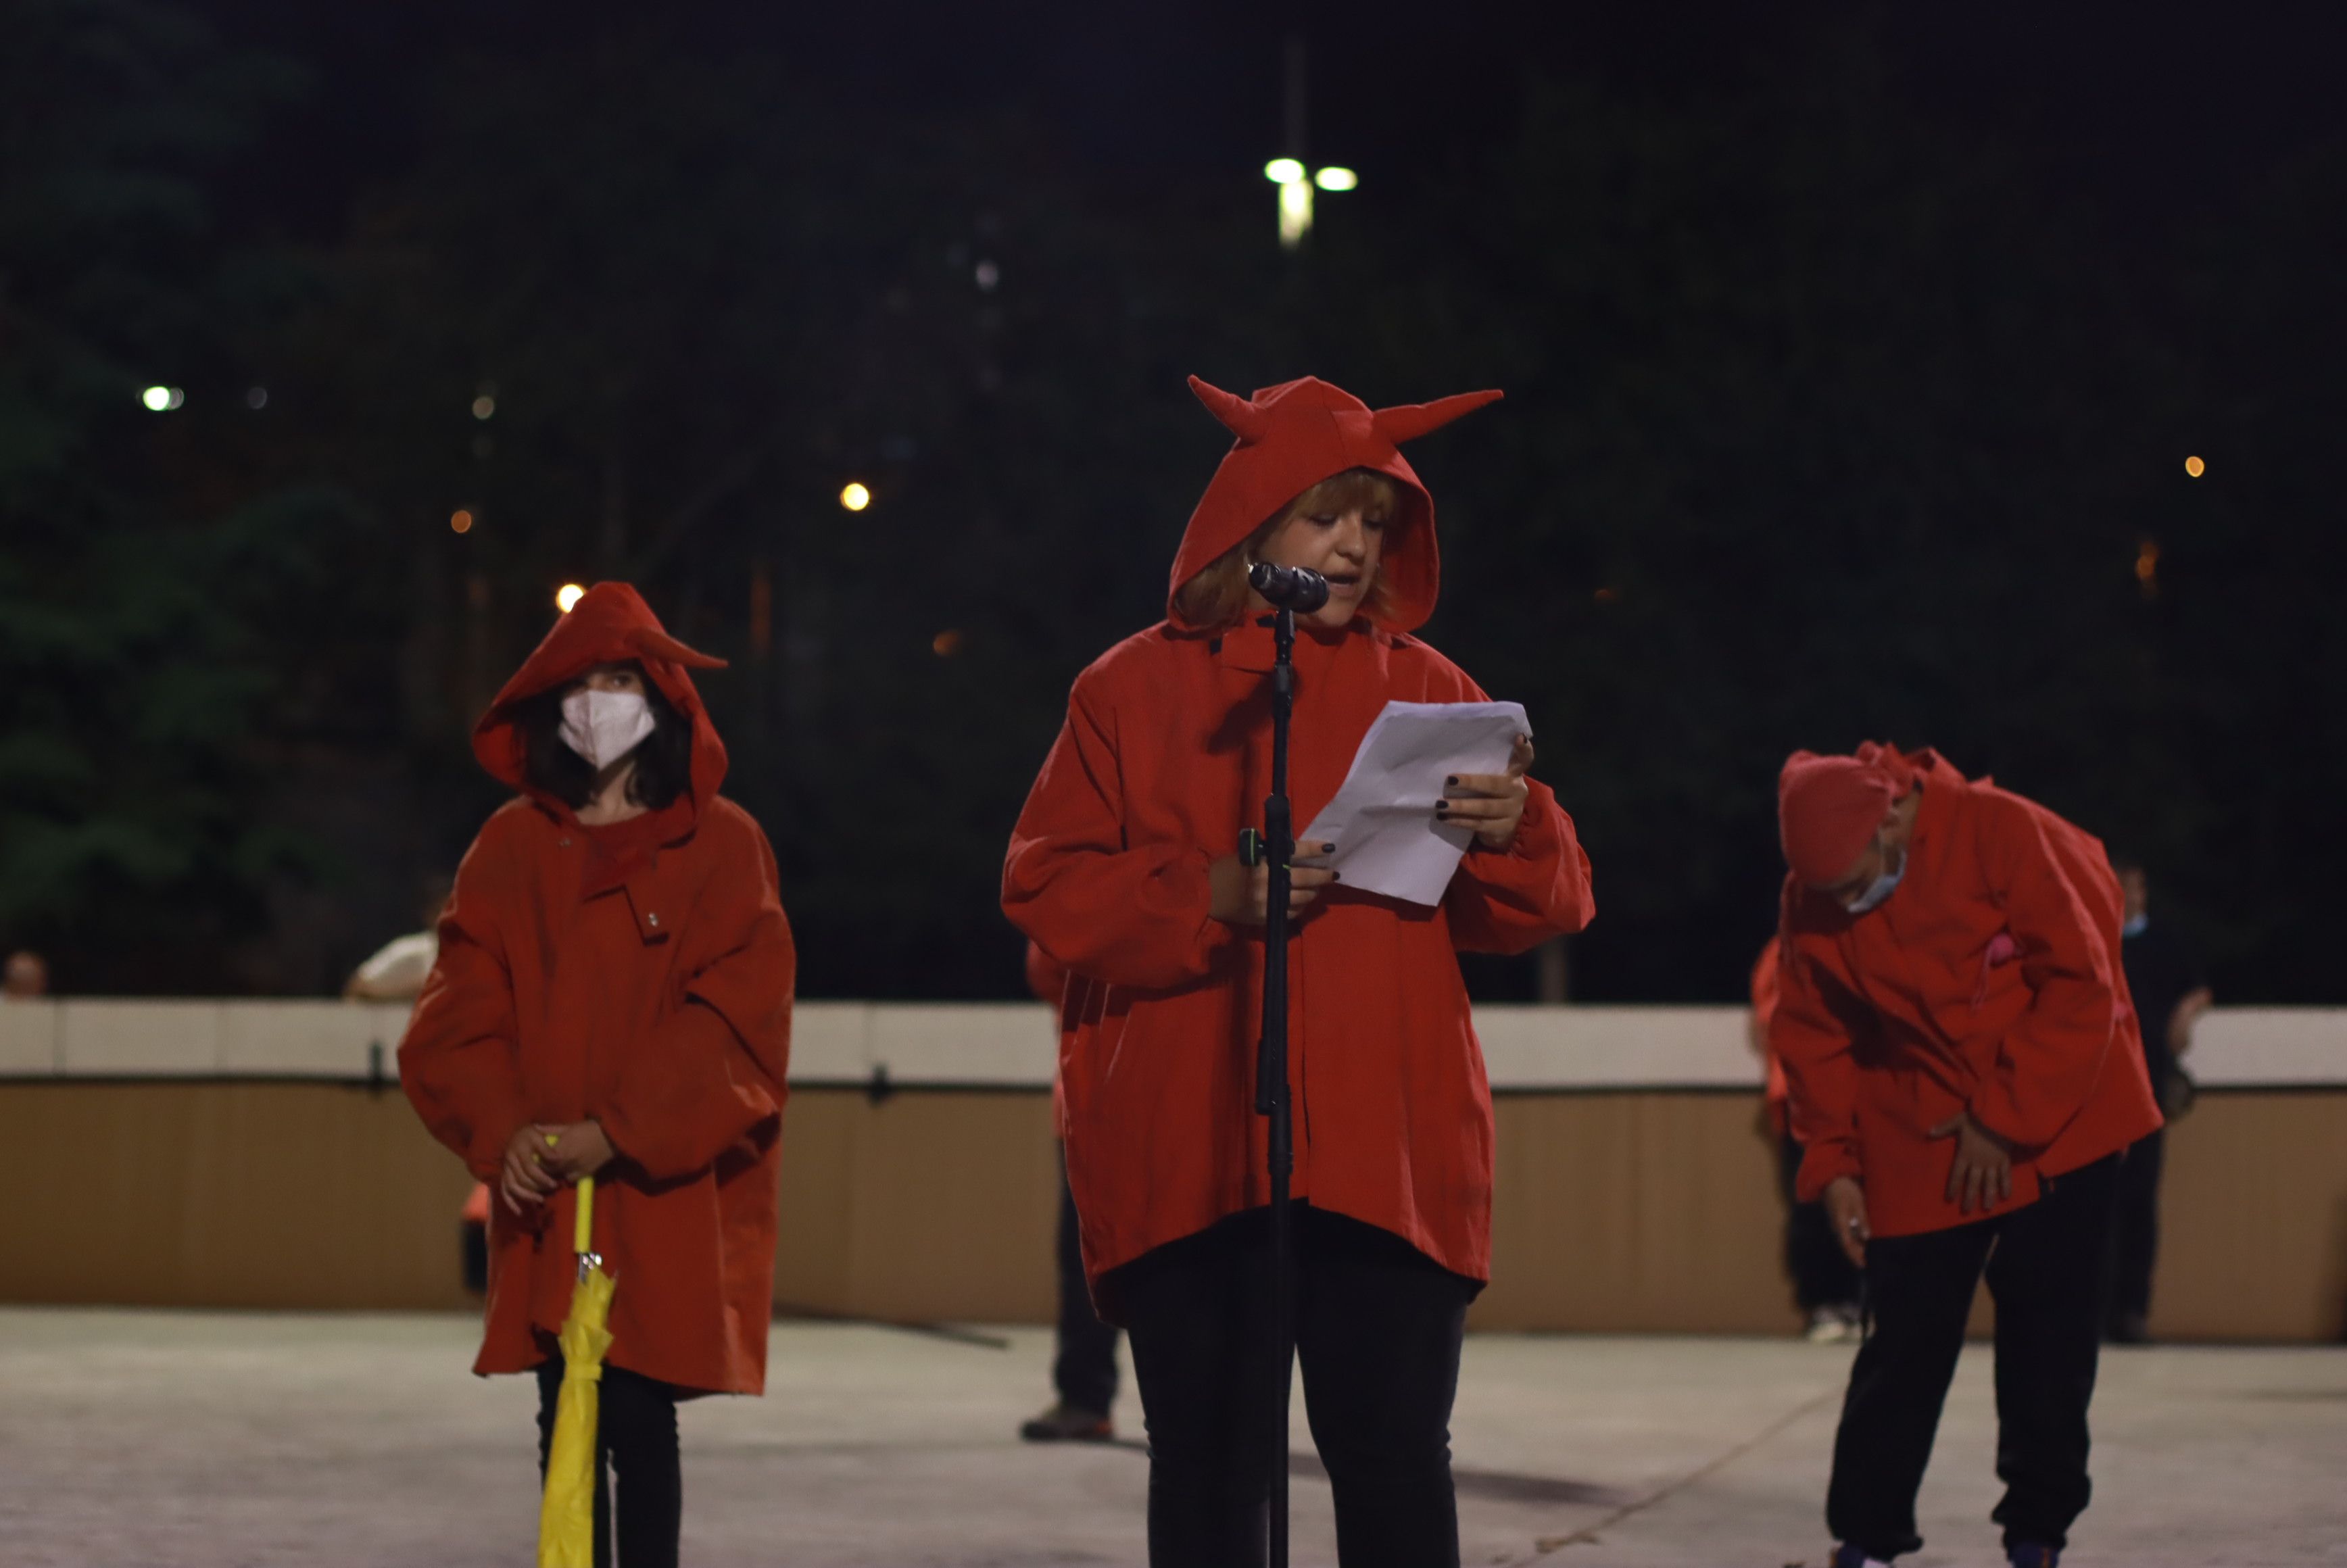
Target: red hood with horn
{"points": [[610, 624], [1290, 437]]}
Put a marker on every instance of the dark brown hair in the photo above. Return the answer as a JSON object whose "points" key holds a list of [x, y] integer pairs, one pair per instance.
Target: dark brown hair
{"points": [[663, 763]]}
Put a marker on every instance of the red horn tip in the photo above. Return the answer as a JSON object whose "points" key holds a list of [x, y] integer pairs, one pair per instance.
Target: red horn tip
{"points": [[1241, 418]]}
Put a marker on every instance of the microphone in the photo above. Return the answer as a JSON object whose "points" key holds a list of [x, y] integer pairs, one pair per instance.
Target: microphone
{"points": [[1288, 587]]}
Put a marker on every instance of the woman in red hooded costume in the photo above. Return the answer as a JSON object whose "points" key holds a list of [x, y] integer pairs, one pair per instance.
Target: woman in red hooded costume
{"points": [[612, 999], [1122, 868], [1965, 1073]]}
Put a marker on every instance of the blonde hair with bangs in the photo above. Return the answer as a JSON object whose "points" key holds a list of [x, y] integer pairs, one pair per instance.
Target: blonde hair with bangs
{"points": [[1217, 598]]}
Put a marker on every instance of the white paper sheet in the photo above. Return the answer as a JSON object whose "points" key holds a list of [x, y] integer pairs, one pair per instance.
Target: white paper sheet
{"points": [[1382, 820]]}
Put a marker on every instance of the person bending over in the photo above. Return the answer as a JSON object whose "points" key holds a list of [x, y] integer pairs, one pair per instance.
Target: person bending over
{"points": [[1963, 1071], [1122, 867], [612, 999]]}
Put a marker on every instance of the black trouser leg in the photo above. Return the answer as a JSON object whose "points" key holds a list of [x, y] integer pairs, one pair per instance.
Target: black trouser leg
{"points": [[1822, 1273], [635, 1437], [1198, 1312], [1378, 1328], [1084, 1369], [2047, 1278], [2135, 1228], [1920, 1288]]}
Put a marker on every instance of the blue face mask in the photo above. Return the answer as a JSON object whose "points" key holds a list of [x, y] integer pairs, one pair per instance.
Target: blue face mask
{"points": [[1879, 889]]}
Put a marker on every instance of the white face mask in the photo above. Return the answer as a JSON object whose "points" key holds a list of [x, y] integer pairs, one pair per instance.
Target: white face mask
{"points": [[604, 726], [1880, 888]]}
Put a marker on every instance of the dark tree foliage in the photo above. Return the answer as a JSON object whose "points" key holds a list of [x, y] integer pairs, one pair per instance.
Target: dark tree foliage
{"points": [[1827, 420]]}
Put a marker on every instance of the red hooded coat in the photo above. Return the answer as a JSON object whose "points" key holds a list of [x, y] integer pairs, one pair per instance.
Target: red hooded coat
{"points": [[638, 974], [1989, 982], [1165, 756]]}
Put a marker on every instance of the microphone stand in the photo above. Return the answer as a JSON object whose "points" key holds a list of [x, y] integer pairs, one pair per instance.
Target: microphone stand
{"points": [[1275, 849]]}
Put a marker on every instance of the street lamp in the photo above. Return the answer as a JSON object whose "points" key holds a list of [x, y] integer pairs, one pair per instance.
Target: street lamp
{"points": [[1296, 186]]}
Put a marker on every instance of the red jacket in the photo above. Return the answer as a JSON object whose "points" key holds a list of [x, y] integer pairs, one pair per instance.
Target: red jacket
{"points": [[1764, 1009], [1165, 756], [1989, 980], [640, 975]]}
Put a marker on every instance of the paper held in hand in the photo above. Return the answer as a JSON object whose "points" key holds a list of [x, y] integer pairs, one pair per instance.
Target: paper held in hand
{"points": [[1382, 820]]}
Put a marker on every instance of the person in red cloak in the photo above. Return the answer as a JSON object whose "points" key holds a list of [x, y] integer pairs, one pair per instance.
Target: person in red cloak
{"points": [[612, 998], [1963, 1069], [1825, 1281], [1122, 869]]}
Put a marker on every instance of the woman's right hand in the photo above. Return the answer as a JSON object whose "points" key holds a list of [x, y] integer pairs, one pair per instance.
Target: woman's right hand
{"points": [[1845, 1203], [1241, 894], [524, 1179]]}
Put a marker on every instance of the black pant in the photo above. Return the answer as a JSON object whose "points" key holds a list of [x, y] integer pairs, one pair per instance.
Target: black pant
{"points": [[1378, 1328], [2135, 1229], [1084, 1371], [635, 1433], [1823, 1273], [2044, 1266]]}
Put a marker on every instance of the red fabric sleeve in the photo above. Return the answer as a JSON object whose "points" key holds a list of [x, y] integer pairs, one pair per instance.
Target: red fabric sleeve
{"points": [[1128, 914], [1822, 1078], [714, 1070], [458, 1061], [1509, 900], [2049, 1061], [1045, 977]]}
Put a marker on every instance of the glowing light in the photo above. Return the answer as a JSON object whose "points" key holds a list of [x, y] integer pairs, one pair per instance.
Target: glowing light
{"points": [[855, 496], [2194, 466], [162, 399], [484, 407], [256, 397], [1335, 179], [2146, 568], [461, 521], [1283, 170], [566, 596], [988, 274], [1295, 212], [946, 643]]}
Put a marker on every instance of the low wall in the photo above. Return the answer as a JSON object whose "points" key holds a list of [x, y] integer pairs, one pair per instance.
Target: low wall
{"points": [[931, 1193]]}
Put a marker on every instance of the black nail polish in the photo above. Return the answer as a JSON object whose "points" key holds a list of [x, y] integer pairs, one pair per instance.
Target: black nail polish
{"points": [[1336, 876], [1327, 849], [1443, 808], [1451, 780]]}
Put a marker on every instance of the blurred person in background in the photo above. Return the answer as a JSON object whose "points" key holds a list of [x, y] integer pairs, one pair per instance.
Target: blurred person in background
{"points": [[1825, 1281], [1083, 1363], [612, 999], [1964, 1078], [395, 972], [2170, 996], [26, 978]]}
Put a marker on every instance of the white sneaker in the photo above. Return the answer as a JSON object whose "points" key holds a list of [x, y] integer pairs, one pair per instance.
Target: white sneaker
{"points": [[1834, 1326]]}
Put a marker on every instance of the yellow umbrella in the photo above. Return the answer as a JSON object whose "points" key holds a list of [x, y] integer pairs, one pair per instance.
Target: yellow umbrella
{"points": [[565, 1519]]}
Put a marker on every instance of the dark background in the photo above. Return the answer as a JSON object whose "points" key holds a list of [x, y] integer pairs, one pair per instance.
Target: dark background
{"points": [[1852, 353]]}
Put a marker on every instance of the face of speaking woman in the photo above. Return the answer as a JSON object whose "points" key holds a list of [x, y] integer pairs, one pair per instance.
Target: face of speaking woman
{"points": [[1342, 544]]}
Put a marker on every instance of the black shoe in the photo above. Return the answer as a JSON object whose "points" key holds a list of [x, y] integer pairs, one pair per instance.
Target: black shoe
{"points": [[1064, 1423], [2031, 1555]]}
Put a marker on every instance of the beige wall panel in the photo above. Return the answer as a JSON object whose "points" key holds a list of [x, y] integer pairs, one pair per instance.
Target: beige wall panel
{"points": [[1635, 1211], [955, 1196], [2253, 1242], [227, 1195]]}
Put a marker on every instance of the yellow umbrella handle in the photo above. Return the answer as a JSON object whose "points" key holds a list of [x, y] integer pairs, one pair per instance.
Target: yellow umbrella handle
{"points": [[584, 1241]]}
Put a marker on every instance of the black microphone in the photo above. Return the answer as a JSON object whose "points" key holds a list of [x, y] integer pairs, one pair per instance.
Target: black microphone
{"points": [[1288, 587]]}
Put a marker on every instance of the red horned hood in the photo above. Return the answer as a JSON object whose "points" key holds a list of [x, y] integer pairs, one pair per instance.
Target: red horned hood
{"points": [[1290, 437], [611, 623]]}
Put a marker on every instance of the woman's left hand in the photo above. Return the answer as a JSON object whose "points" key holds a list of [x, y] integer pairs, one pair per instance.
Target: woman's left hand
{"points": [[581, 1149], [1491, 803]]}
